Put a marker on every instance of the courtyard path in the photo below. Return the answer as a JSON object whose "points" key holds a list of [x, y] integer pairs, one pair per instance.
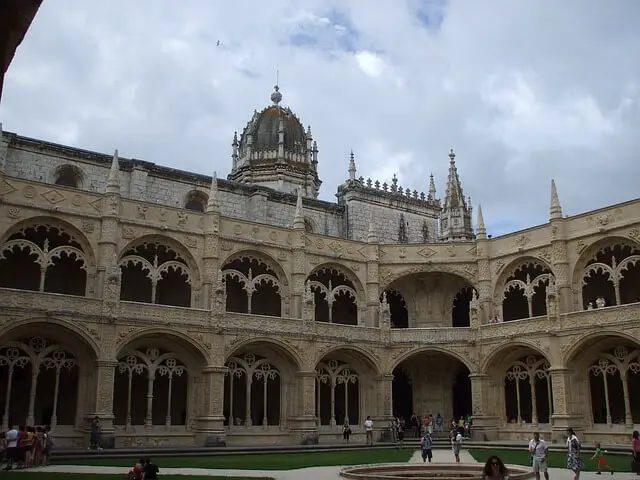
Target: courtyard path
{"points": [[312, 473]]}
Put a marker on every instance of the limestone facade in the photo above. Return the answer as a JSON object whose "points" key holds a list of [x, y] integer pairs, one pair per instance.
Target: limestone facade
{"points": [[237, 323]]}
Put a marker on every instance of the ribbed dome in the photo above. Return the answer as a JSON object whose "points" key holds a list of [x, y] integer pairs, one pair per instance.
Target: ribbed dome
{"points": [[265, 130]]}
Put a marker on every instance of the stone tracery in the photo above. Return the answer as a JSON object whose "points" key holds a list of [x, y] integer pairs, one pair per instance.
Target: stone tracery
{"points": [[30, 366], [252, 286], [336, 299], [163, 404], [44, 258], [528, 391], [611, 273], [153, 272], [397, 308], [337, 393], [524, 292], [252, 392], [615, 376]]}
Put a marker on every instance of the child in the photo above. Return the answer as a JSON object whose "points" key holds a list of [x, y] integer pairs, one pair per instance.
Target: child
{"points": [[602, 461], [426, 445]]}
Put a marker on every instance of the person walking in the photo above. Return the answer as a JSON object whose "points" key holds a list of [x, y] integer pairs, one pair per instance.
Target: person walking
{"points": [[539, 450]]}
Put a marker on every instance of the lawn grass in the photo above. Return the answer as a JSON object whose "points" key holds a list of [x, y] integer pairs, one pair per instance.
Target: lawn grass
{"points": [[25, 475], [260, 461], [620, 463]]}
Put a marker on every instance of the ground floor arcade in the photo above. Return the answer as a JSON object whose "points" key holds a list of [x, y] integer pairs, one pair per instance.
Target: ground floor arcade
{"points": [[159, 389]]}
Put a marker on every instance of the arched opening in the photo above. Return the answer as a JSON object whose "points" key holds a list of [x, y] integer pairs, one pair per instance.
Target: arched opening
{"points": [[44, 258], [524, 389], [254, 386], [252, 286], [436, 383], [45, 370], [68, 176], [153, 380], [153, 272], [611, 275], [196, 201], [335, 296], [461, 313], [397, 308], [524, 294], [341, 377], [608, 374], [433, 299]]}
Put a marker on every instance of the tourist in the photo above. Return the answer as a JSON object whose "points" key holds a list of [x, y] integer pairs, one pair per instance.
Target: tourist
{"points": [[539, 450], [368, 430], [456, 443], [136, 471], [426, 445], [602, 460], [96, 434], [635, 451], [574, 462], [46, 445], [346, 430], [431, 422], [439, 424], [11, 440], [150, 470], [413, 422], [494, 469], [400, 434]]}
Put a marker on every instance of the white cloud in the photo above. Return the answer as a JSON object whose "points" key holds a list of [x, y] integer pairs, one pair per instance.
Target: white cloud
{"points": [[521, 91]]}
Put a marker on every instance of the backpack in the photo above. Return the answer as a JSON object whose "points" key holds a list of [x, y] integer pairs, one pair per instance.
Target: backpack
{"points": [[426, 443]]}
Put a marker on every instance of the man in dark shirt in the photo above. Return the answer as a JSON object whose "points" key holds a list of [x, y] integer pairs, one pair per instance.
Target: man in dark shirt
{"points": [[150, 470]]}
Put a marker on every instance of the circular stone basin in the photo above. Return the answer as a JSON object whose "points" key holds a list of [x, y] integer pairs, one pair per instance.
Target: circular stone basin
{"points": [[416, 471]]}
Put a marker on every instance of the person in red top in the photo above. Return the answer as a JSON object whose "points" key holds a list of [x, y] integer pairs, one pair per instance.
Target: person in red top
{"points": [[635, 451], [136, 472]]}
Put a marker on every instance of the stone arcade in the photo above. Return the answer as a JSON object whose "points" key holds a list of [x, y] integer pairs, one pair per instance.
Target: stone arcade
{"points": [[182, 309]]}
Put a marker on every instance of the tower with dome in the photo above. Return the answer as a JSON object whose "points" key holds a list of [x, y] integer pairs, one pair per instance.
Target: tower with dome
{"points": [[186, 309]]}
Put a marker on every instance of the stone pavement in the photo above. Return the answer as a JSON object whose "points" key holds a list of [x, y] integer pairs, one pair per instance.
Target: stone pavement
{"points": [[312, 473]]}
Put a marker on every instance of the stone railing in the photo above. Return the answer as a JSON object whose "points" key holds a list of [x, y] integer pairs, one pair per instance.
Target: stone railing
{"points": [[165, 314], [48, 303], [614, 315], [435, 335], [514, 327]]}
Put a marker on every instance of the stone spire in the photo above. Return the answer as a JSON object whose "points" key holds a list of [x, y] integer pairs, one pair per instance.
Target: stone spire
{"points": [[298, 219], [352, 167], [456, 223], [432, 188], [555, 210], [481, 229], [371, 235], [212, 203], [113, 181]]}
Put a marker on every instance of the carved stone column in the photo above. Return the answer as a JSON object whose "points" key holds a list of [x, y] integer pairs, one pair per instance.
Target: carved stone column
{"points": [[384, 400], [103, 406], [564, 415], [304, 424], [109, 235], [484, 421], [298, 275], [211, 254], [209, 426], [559, 254], [373, 280]]}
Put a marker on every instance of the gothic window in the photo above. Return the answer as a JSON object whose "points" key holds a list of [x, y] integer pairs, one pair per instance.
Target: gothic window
{"points": [[68, 176], [335, 296], [397, 308], [153, 272], [43, 258], [524, 292], [252, 286], [196, 201], [337, 393]]}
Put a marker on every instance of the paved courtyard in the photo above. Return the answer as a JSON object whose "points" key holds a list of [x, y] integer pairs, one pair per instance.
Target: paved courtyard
{"points": [[312, 473]]}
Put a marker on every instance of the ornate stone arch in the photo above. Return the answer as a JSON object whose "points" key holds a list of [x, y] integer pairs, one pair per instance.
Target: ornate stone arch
{"points": [[580, 344], [501, 349], [511, 268], [176, 245], [196, 349], [279, 347], [265, 258], [467, 273], [361, 354], [74, 233], [588, 252], [348, 274], [57, 326], [395, 362], [68, 169]]}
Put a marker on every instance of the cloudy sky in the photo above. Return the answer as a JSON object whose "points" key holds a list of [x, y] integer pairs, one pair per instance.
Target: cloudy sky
{"points": [[522, 90]]}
